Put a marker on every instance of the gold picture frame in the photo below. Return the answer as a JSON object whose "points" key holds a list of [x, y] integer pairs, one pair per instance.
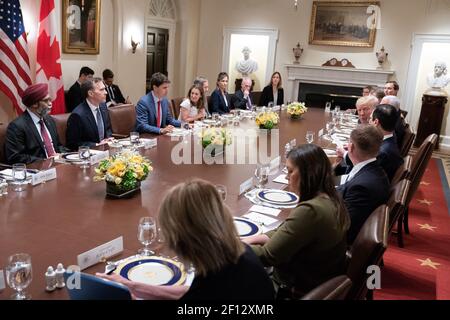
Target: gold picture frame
{"points": [[81, 26], [351, 24]]}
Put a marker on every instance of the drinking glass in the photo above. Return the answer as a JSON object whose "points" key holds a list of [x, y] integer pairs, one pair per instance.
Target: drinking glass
{"points": [[85, 154], [328, 107], [222, 190], [134, 139], [310, 137], [270, 105], [3, 187], [19, 275], [146, 234], [19, 173], [337, 109], [215, 116], [329, 128], [262, 175]]}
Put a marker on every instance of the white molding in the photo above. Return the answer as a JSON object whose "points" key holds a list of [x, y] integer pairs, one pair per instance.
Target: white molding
{"points": [[349, 77], [273, 39]]}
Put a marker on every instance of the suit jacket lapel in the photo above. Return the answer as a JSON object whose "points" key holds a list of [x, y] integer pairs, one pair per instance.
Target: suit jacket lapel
{"points": [[152, 108], [33, 129], [91, 119], [53, 133]]}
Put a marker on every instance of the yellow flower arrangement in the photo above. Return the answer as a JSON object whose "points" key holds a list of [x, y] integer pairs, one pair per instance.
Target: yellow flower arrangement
{"points": [[296, 109], [267, 120], [215, 136], [124, 170]]}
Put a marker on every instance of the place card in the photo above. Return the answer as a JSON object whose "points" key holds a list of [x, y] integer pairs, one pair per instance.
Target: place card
{"points": [[97, 157], [281, 179], [260, 218], [293, 143], [266, 210], [96, 255], [248, 184], [2, 280], [275, 163], [43, 176], [149, 143], [320, 133], [271, 227]]}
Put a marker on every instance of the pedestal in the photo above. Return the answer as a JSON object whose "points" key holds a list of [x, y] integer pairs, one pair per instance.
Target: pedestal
{"points": [[431, 115]]}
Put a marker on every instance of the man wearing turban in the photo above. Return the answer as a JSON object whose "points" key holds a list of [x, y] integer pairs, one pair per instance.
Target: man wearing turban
{"points": [[33, 135]]}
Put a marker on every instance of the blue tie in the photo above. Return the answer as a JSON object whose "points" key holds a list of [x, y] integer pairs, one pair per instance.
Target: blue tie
{"points": [[100, 127]]}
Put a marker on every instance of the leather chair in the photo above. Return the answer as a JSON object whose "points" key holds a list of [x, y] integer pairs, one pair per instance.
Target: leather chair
{"points": [[403, 171], [334, 289], [3, 128], [123, 119], [408, 140], [419, 164], [256, 97], [61, 126], [367, 250], [396, 205], [176, 106]]}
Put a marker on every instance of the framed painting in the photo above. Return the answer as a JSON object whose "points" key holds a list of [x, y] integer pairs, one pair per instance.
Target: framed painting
{"points": [[81, 26], [351, 24]]}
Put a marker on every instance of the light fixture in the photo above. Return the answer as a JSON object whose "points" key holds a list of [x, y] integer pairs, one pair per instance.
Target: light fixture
{"points": [[296, 4], [134, 45]]}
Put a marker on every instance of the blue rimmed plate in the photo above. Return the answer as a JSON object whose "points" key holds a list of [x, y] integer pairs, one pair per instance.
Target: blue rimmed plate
{"points": [[246, 228], [71, 157], [277, 197], [153, 270]]}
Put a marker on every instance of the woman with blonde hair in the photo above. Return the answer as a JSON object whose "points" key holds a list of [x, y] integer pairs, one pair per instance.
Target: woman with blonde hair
{"points": [[199, 228]]}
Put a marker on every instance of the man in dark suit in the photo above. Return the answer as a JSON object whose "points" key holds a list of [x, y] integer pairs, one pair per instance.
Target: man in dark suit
{"points": [[384, 118], [33, 135], [89, 124], [152, 111], [241, 99], [75, 96], [366, 187], [114, 95], [400, 125]]}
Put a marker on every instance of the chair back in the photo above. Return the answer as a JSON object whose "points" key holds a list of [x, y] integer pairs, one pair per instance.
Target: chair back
{"points": [[88, 287], [123, 119], [256, 97], [408, 140], [176, 102], [61, 126], [403, 171], [334, 289], [3, 128], [397, 201], [367, 250]]}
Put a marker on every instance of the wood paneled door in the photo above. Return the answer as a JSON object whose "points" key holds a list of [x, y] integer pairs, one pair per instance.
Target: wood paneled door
{"points": [[157, 52]]}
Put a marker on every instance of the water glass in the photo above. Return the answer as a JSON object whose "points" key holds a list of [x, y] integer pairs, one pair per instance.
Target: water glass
{"points": [[310, 137], [134, 139], [215, 116], [222, 190], [262, 175], [328, 107], [3, 187], [146, 234], [84, 153], [337, 109], [236, 121], [19, 173], [329, 128], [19, 275]]}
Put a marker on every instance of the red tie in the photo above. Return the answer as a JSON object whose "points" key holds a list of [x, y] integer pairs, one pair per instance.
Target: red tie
{"points": [[47, 142], [158, 119]]}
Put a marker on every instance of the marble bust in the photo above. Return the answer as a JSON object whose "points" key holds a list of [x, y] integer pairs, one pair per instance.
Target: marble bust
{"points": [[439, 78], [246, 66]]}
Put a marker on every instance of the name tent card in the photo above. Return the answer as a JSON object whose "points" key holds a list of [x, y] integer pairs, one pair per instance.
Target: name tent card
{"points": [[97, 157], [150, 143], [96, 255], [43, 176], [248, 184]]}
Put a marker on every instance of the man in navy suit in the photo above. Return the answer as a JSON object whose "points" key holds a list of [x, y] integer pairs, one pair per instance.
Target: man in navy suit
{"points": [[152, 111], [366, 187], [384, 118], [33, 135], [114, 95], [241, 98], [89, 124]]}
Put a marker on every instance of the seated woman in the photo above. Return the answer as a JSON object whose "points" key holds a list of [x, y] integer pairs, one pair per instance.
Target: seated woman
{"points": [[273, 92], [193, 108], [199, 228], [220, 100], [309, 248]]}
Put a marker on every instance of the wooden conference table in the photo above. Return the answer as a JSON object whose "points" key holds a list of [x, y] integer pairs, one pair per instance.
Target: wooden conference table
{"points": [[56, 221]]}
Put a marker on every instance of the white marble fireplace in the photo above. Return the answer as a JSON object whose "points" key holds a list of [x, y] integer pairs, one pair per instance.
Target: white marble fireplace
{"points": [[338, 76]]}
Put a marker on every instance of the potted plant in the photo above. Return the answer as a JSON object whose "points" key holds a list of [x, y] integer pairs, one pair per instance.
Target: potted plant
{"points": [[267, 120], [215, 140], [296, 110]]}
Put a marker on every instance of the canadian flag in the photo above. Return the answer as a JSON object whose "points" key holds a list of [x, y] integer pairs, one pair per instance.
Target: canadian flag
{"points": [[48, 60]]}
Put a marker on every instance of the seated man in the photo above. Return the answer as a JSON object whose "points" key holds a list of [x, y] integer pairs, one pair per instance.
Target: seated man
{"points": [[365, 107], [400, 125], [89, 124], [114, 95], [75, 96], [152, 111], [241, 98], [33, 135], [384, 117], [366, 187]]}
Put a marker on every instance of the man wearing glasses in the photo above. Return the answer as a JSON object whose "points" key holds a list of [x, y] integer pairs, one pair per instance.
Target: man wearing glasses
{"points": [[33, 135]]}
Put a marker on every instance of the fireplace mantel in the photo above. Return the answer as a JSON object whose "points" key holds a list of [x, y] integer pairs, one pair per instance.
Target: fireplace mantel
{"points": [[340, 76]]}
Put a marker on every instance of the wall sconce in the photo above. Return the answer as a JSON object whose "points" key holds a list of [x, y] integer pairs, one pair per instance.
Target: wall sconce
{"points": [[134, 45], [296, 4]]}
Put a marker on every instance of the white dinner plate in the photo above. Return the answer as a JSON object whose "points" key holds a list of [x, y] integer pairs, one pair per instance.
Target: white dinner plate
{"points": [[277, 197], [246, 228]]}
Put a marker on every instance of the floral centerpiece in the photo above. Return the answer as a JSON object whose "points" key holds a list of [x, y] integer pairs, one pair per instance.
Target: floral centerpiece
{"points": [[296, 109], [123, 172], [267, 120], [216, 138]]}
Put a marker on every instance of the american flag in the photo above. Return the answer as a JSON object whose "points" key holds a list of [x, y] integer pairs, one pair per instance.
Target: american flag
{"points": [[14, 62]]}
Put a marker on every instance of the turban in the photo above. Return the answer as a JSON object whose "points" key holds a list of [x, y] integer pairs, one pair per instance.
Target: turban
{"points": [[34, 93]]}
